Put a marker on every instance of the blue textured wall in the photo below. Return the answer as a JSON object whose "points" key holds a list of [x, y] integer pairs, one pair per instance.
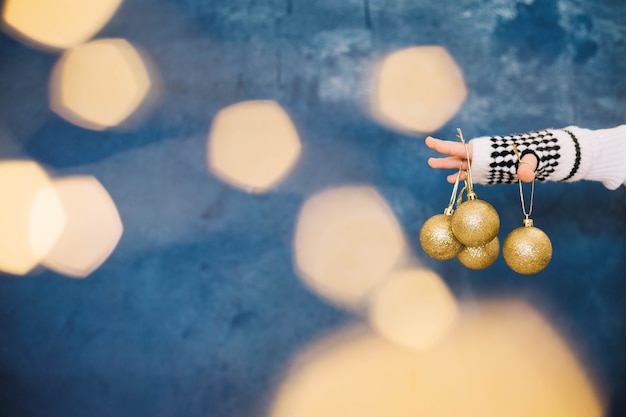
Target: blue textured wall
{"points": [[198, 310]]}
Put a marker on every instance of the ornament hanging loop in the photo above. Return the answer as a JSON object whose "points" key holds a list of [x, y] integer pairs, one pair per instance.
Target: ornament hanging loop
{"points": [[527, 220], [463, 190], [468, 183], [450, 209]]}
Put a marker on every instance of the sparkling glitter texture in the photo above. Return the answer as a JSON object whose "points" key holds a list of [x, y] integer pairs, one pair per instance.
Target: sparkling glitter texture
{"points": [[475, 223], [480, 257], [437, 239], [527, 250]]}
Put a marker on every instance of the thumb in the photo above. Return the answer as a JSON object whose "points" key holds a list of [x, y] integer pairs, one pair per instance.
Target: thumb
{"points": [[526, 168]]}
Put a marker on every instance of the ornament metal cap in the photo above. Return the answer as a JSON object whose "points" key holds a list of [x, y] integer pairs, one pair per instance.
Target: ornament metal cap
{"points": [[528, 222]]}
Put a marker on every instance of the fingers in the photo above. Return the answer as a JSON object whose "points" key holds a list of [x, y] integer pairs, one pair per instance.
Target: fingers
{"points": [[447, 163], [452, 177], [456, 158], [450, 148]]}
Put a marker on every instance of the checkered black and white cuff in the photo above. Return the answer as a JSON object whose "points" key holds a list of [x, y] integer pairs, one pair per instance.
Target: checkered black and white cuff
{"points": [[563, 155]]}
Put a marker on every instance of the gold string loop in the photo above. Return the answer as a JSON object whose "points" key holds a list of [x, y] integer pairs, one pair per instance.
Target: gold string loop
{"points": [[450, 209], [469, 183], [521, 191]]}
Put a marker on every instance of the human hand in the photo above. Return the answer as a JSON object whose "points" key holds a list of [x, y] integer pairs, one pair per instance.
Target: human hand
{"points": [[456, 158]]}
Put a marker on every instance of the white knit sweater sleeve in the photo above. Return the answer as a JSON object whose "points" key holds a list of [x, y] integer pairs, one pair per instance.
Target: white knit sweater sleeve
{"points": [[608, 155]]}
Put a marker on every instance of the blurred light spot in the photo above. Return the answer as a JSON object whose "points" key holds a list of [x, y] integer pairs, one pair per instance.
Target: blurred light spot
{"points": [[20, 184], [413, 308], [57, 24], [99, 84], [346, 242], [92, 228], [47, 220], [500, 359], [418, 89], [253, 145]]}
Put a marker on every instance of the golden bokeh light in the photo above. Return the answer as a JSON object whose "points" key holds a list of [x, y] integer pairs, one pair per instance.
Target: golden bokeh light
{"points": [[346, 242], [92, 227], [413, 308], [418, 89], [21, 249], [500, 359], [57, 24], [100, 84], [47, 220], [253, 145]]}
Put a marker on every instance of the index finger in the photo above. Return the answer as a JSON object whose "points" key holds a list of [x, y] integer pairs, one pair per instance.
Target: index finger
{"points": [[448, 147]]}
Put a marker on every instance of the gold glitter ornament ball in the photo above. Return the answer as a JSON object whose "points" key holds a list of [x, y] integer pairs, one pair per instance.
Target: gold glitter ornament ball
{"points": [[527, 250], [475, 222], [480, 257], [437, 239]]}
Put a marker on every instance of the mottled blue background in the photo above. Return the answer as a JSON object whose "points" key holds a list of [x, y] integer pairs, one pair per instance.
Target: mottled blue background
{"points": [[198, 311]]}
